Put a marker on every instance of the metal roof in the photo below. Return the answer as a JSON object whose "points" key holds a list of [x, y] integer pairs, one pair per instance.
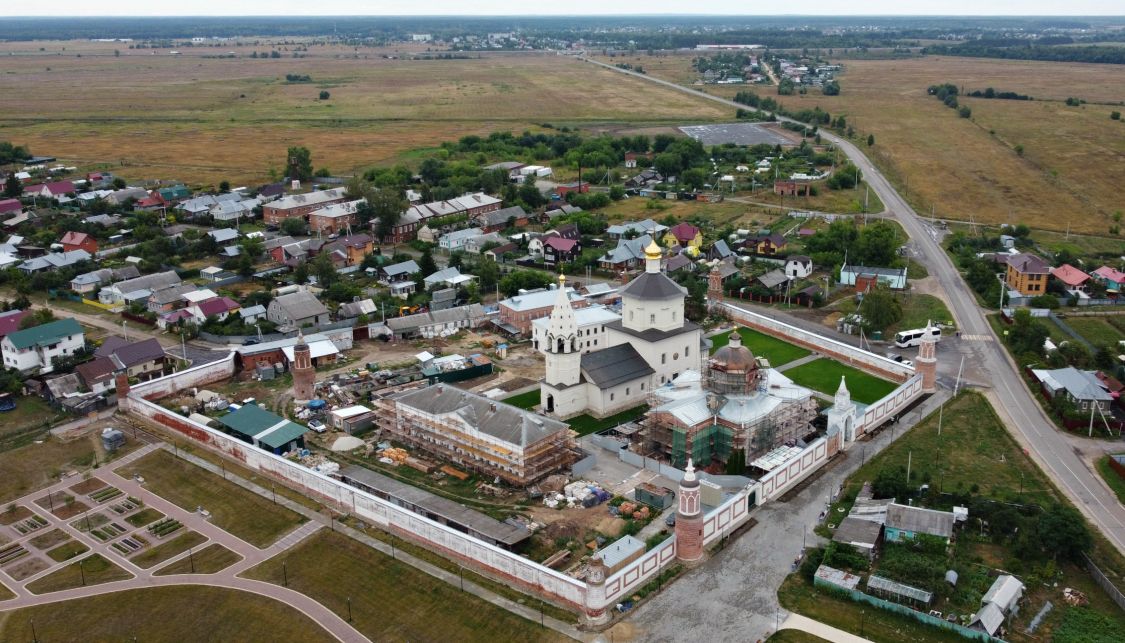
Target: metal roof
{"points": [[612, 366], [502, 421], [881, 584], [919, 520], [256, 423], [654, 286], [619, 551], [45, 334], [858, 532]]}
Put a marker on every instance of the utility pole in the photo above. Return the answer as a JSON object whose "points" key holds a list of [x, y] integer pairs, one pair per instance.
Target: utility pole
{"points": [[939, 413], [957, 386], [909, 461]]}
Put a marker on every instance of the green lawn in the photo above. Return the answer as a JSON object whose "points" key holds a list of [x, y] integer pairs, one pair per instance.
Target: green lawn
{"points": [[1097, 330], [161, 552], [824, 375], [526, 400], [776, 351], [586, 424], [917, 310], [794, 636], [94, 570], [210, 559], [31, 412], [144, 517], [181, 613], [1115, 482], [247, 515], [391, 600], [67, 551], [34, 466]]}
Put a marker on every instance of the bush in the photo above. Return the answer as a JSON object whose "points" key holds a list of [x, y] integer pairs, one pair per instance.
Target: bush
{"points": [[1115, 116], [1045, 301], [964, 111], [324, 95]]}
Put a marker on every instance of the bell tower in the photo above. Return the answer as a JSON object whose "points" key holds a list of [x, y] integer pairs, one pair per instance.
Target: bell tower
{"points": [[304, 376], [564, 358], [926, 362]]}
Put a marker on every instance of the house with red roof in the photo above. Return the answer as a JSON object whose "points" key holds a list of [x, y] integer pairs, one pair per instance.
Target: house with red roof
{"points": [[10, 205], [683, 234], [50, 190], [217, 307], [558, 250], [1071, 277], [10, 321], [154, 201], [79, 241], [1112, 278]]}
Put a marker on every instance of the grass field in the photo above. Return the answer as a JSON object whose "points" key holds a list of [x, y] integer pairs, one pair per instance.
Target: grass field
{"points": [[233, 119], [94, 570], [210, 559], [794, 636], [180, 613], [1115, 482], [30, 412], [919, 309], [776, 351], [391, 601], [824, 375], [244, 514], [1097, 330], [144, 517], [37, 465], [163, 551], [67, 551], [586, 424], [524, 400], [970, 166]]}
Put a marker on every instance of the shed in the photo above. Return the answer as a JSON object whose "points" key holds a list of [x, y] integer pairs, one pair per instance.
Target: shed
{"points": [[352, 419], [619, 554], [264, 430], [654, 496]]}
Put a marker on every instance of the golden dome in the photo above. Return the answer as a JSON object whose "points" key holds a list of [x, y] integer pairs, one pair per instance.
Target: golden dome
{"points": [[562, 279], [653, 251]]}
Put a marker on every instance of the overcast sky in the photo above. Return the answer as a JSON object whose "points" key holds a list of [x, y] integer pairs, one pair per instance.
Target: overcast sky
{"points": [[61, 8]]}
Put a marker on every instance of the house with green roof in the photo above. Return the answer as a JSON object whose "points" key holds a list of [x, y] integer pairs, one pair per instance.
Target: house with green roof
{"points": [[255, 425], [33, 349], [174, 193]]}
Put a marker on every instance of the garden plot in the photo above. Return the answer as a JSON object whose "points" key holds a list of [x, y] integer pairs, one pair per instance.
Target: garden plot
{"points": [[105, 495], [28, 525], [126, 506], [130, 545], [63, 505], [165, 527], [12, 553]]}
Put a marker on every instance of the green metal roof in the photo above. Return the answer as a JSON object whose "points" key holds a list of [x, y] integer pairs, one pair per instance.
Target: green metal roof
{"points": [[175, 192], [252, 421], [45, 334]]}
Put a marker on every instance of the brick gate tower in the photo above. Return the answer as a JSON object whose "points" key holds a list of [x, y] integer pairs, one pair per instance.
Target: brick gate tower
{"points": [[926, 362], [304, 377], [689, 520], [714, 286]]}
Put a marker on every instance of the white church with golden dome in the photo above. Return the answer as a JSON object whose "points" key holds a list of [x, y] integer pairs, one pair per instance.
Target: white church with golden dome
{"points": [[648, 347]]}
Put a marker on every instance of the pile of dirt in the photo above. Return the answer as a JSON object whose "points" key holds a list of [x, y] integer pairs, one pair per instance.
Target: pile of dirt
{"points": [[567, 529]]}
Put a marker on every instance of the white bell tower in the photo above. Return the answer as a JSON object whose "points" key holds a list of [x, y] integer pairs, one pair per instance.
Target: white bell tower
{"points": [[841, 417], [564, 358]]}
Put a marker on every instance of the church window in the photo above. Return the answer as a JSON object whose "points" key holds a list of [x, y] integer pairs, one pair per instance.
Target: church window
{"points": [[664, 358], [661, 379], [675, 356], [673, 315], [687, 350], [611, 397], [626, 390], [652, 318], [630, 315], [561, 345]]}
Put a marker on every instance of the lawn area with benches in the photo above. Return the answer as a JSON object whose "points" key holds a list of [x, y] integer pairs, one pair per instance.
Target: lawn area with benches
{"points": [[247, 515], [824, 375], [391, 600], [778, 352]]}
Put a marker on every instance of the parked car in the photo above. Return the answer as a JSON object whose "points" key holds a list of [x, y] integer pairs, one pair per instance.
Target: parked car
{"points": [[318, 426]]}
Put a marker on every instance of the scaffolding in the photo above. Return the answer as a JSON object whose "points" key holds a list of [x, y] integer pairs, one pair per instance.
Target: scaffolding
{"points": [[517, 465]]}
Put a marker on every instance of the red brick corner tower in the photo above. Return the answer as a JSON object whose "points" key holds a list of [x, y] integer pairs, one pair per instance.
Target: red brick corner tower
{"points": [[304, 377], [689, 520], [926, 363], [714, 286]]}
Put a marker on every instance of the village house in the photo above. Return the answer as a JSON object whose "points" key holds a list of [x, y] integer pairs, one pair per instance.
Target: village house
{"points": [[635, 229], [8, 206], [629, 254], [448, 277], [798, 267], [905, 522], [142, 360], [497, 220], [300, 205], [353, 248], [766, 244], [216, 307], [136, 289], [683, 234], [557, 250], [163, 300], [335, 218], [476, 244], [1082, 388], [79, 241], [1072, 278], [791, 188], [51, 190], [575, 187], [89, 282], [55, 261], [437, 323], [719, 250], [1112, 278], [34, 348], [1027, 274], [678, 262], [455, 241], [297, 310], [398, 272]]}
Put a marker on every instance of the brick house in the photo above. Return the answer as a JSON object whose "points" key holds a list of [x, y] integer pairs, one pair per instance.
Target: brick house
{"points": [[416, 216], [1027, 274], [558, 250], [335, 218], [79, 241], [300, 205], [790, 188]]}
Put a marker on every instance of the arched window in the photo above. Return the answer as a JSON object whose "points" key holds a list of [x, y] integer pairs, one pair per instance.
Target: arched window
{"points": [[561, 345]]}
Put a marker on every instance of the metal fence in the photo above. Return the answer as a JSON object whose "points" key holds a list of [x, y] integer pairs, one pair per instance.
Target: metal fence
{"points": [[1103, 581]]}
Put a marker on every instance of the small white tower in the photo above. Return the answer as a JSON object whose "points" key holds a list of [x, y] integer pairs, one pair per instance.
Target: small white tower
{"points": [[841, 417], [564, 359]]}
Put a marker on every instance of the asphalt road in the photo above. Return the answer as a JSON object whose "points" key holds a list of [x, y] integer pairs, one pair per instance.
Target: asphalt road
{"points": [[1022, 414]]}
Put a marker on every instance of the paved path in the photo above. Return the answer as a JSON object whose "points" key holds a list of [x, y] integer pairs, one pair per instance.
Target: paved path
{"points": [[811, 357], [1022, 414], [826, 632]]}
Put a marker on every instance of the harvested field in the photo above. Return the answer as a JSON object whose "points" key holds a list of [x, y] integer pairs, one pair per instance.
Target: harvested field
{"points": [[233, 118], [970, 166]]}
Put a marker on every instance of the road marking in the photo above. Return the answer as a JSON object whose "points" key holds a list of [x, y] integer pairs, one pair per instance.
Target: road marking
{"points": [[977, 338]]}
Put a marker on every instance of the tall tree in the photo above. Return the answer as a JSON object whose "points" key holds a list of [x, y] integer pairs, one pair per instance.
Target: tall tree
{"points": [[426, 263], [299, 162], [387, 207], [880, 309], [12, 187]]}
